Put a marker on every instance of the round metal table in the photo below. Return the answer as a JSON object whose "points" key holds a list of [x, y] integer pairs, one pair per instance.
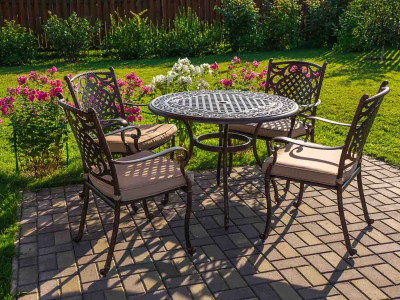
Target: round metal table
{"points": [[223, 108]]}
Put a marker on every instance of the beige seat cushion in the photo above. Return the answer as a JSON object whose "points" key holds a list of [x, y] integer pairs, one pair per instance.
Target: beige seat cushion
{"points": [[302, 163], [272, 129], [144, 179], [152, 135]]}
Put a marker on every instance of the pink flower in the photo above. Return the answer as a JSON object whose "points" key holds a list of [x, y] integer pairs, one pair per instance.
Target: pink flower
{"points": [[225, 82], [17, 90], [69, 75], [316, 74], [42, 96], [135, 110], [22, 80], [214, 66], [55, 91], [262, 84], [54, 69], [45, 79], [58, 83], [25, 91], [120, 82], [255, 64], [293, 68], [10, 90], [236, 59], [144, 90], [32, 75], [234, 76], [1, 121], [131, 119]]}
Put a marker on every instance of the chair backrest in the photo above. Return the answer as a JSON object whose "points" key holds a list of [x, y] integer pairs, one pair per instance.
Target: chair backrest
{"points": [[89, 135], [299, 81], [360, 127], [97, 90]]}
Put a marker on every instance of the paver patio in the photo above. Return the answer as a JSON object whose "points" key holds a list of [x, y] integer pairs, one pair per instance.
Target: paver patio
{"points": [[304, 257]]}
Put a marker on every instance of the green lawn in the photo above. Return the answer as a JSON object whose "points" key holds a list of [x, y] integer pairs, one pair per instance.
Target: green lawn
{"points": [[348, 76]]}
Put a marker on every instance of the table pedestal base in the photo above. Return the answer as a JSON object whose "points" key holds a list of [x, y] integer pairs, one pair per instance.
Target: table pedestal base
{"points": [[223, 149]]}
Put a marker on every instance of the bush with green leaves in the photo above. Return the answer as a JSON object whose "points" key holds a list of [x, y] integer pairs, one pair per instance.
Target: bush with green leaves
{"points": [[242, 24], [70, 38], [281, 24], [321, 22], [130, 37], [17, 46], [369, 24], [191, 37]]}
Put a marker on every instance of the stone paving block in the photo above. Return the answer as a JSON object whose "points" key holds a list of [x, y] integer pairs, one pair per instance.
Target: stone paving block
{"points": [[200, 292], [47, 262], [167, 269], [232, 278], [28, 250], [27, 275], [284, 290], [239, 240], [115, 294], [311, 274], [185, 266], [236, 294], [369, 289], [181, 293], [70, 286], [49, 289], [101, 285], [152, 281], [213, 252], [158, 295], [296, 280], [133, 285]]}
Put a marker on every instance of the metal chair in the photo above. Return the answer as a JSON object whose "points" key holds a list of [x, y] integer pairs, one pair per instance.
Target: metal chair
{"points": [[91, 90], [126, 180], [299, 81], [328, 167]]}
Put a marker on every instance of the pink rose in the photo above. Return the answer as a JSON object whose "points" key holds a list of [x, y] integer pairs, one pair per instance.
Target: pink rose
{"points": [[22, 80], [255, 64]]}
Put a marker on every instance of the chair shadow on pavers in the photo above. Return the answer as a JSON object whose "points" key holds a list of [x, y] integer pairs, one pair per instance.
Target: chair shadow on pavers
{"points": [[304, 257]]}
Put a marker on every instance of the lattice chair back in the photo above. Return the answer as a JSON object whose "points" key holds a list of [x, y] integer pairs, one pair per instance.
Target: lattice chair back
{"points": [[96, 155], [97, 90], [361, 126], [299, 81]]}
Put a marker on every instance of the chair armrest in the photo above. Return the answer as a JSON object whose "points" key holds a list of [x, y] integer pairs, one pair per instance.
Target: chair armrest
{"points": [[311, 105], [122, 130], [155, 155], [304, 144], [113, 122], [328, 121]]}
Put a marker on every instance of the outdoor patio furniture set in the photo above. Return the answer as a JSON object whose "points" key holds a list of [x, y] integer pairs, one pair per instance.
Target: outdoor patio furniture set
{"points": [[285, 112]]}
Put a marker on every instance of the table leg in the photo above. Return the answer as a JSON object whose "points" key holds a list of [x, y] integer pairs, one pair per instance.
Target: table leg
{"points": [[191, 138], [225, 175], [219, 158]]}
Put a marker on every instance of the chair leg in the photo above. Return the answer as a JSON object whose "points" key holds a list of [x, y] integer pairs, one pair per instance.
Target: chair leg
{"points": [[148, 214], [300, 197], [78, 238], [276, 194], [343, 221], [166, 199], [267, 230], [362, 197], [287, 187], [134, 207], [113, 240], [189, 247]]}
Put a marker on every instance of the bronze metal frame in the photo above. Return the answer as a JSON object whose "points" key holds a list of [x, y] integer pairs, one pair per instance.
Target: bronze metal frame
{"points": [[89, 90], [351, 150], [161, 106], [299, 81], [98, 162]]}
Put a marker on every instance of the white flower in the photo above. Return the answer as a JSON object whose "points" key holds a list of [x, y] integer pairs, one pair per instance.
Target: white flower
{"points": [[204, 68], [159, 80], [172, 74], [151, 87], [202, 84], [184, 61], [185, 80]]}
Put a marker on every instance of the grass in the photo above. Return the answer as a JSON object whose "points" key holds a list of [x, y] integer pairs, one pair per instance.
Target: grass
{"points": [[348, 77]]}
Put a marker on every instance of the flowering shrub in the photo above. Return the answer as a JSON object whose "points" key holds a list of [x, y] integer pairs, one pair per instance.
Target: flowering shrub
{"points": [[241, 76], [184, 76], [37, 120]]}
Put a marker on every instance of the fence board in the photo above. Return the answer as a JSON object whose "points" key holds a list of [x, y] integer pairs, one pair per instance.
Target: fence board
{"points": [[34, 13]]}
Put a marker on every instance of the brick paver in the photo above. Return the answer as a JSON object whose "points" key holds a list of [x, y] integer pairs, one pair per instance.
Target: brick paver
{"points": [[303, 258]]}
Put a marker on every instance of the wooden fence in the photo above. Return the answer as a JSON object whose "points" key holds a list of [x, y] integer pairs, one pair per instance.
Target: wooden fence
{"points": [[34, 13]]}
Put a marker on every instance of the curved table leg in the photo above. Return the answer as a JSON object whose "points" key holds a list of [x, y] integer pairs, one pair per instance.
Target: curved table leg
{"points": [[191, 138], [225, 175]]}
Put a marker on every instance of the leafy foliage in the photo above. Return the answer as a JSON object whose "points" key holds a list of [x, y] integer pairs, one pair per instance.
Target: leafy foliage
{"points": [[71, 37], [321, 22], [38, 122], [17, 46], [281, 24], [369, 24], [242, 24]]}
